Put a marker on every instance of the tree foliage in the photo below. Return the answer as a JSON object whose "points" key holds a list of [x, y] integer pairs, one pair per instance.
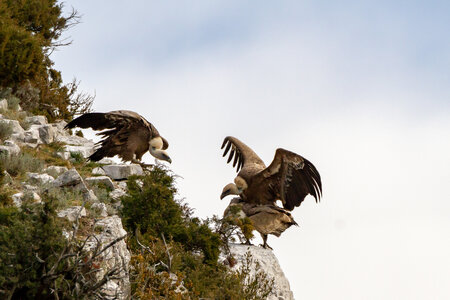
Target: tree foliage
{"points": [[29, 31], [175, 255]]}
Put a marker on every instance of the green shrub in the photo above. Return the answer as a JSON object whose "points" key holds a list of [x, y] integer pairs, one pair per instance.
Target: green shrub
{"points": [[29, 32], [27, 237], [77, 157], [154, 211], [165, 239], [39, 262]]}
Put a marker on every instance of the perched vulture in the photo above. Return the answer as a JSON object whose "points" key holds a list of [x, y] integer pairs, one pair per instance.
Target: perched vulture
{"points": [[266, 219], [128, 135], [288, 178]]}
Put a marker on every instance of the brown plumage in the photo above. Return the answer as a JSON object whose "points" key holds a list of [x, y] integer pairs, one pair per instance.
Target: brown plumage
{"points": [[127, 134], [289, 177], [266, 219]]}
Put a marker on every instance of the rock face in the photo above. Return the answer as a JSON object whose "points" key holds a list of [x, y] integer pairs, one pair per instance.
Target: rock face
{"points": [[72, 213], [107, 228], [105, 180], [118, 172], [116, 256], [3, 104], [9, 148], [269, 264]]}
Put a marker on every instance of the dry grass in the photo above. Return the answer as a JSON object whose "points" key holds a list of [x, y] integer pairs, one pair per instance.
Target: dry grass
{"points": [[5, 131], [47, 153], [18, 165]]}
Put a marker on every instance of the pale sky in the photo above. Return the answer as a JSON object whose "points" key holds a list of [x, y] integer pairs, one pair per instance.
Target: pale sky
{"points": [[360, 88]]}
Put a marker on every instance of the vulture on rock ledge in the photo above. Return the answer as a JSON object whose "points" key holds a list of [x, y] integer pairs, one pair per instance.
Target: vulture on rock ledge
{"points": [[289, 177], [128, 135]]}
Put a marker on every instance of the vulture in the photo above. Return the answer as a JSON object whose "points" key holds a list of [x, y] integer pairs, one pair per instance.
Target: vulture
{"points": [[289, 178], [266, 219], [127, 134]]}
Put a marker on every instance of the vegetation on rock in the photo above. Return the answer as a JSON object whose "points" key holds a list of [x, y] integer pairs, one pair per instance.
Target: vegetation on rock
{"points": [[175, 255]]}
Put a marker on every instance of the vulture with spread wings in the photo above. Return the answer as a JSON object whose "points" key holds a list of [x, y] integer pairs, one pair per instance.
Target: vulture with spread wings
{"points": [[127, 134], [289, 177]]}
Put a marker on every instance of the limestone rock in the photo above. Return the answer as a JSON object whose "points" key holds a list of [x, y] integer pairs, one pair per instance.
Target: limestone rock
{"points": [[37, 178], [85, 150], [64, 155], [19, 197], [118, 172], [32, 135], [100, 208], [30, 188], [122, 185], [72, 213], [90, 196], [115, 256], [18, 132], [69, 178], [36, 120], [116, 194], [73, 179], [10, 148], [46, 133], [269, 264], [98, 171], [72, 139], [105, 180], [55, 170], [106, 161], [3, 104]]}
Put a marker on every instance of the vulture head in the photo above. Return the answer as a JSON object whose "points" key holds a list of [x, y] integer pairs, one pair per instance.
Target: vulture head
{"points": [[156, 149], [235, 188], [230, 189]]}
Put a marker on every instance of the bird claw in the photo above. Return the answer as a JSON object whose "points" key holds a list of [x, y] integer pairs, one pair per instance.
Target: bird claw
{"points": [[143, 165], [266, 246]]}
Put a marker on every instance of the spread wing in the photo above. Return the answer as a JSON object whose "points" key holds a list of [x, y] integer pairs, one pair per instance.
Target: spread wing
{"points": [[292, 177], [126, 132], [243, 155]]}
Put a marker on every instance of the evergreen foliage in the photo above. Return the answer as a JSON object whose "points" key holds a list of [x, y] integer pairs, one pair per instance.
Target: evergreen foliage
{"points": [[154, 211], [27, 237], [29, 31], [169, 246]]}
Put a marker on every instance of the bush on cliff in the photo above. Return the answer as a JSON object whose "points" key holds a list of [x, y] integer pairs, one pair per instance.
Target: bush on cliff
{"points": [[170, 246], [30, 30]]}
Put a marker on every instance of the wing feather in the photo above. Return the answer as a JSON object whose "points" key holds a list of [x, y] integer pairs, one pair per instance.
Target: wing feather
{"points": [[126, 132], [292, 178], [243, 155]]}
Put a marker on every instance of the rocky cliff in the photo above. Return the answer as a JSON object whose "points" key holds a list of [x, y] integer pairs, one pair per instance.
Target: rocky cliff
{"points": [[90, 206]]}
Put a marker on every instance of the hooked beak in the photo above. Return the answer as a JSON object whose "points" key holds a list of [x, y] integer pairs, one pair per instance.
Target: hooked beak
{"points": [[169, 160], [224, 194]]}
